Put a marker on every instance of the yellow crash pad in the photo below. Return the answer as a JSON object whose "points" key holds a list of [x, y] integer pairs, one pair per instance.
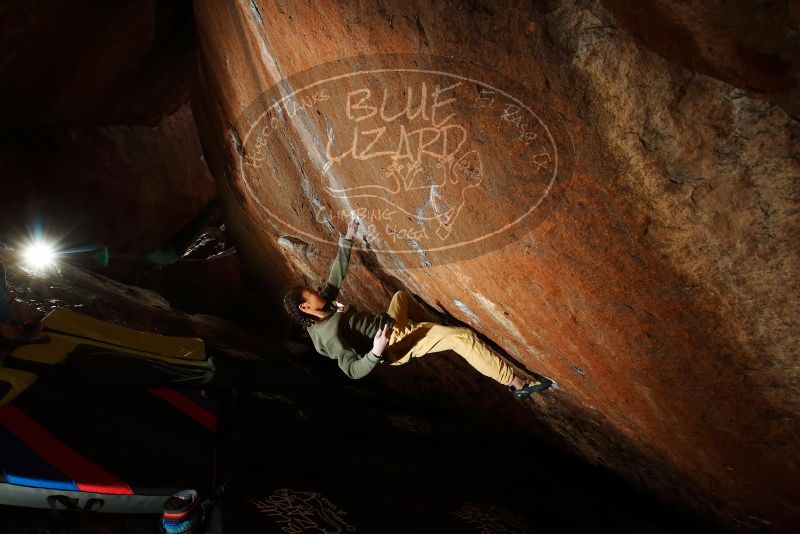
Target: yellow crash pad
{"points": [[55, 351], [76, 324], [13, 382]]}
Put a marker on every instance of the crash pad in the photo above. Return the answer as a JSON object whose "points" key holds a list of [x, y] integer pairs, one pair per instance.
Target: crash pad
{"points": [[98, 449], [76, 324], [13, 382], [59, 346]]}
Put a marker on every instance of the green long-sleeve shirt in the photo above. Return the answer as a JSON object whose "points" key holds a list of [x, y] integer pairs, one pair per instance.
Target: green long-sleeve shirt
{"points": [[346, 336]]}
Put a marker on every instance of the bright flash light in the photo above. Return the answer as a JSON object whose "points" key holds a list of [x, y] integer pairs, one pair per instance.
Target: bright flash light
{"points": [[39, 255]]}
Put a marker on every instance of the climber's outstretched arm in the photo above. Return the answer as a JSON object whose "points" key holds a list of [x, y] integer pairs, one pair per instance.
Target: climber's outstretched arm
{"points": [[339, 267]]}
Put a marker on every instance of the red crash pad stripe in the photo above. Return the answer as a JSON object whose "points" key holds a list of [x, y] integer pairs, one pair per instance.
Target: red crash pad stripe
{"points": [[87, 475], [188, 407]]}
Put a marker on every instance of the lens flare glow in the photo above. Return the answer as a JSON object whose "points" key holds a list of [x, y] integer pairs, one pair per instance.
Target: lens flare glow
{"points": [[39, 255]]}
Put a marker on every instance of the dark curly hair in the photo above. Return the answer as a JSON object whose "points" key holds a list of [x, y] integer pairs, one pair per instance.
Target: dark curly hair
{"points": [[291, 300]]}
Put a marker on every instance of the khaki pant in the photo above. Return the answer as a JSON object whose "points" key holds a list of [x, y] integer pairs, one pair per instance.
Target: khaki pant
{"points": [[411, 339]]}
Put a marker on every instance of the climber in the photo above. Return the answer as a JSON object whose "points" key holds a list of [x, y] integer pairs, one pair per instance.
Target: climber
{"points": [[344, 333]]}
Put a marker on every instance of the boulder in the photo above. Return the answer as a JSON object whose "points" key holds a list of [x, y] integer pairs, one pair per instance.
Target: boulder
{"points": [[623, 212]]}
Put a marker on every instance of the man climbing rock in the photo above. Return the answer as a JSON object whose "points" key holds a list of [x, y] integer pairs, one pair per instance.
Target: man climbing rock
{"points": [[338, 330]]}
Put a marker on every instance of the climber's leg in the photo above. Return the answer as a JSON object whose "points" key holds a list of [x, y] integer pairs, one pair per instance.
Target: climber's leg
{"points": [[398, 308], [432, 337]]}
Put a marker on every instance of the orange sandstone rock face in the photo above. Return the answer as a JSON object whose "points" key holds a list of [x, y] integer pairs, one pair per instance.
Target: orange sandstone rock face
{"points": [[752, 45], [606, 217]]}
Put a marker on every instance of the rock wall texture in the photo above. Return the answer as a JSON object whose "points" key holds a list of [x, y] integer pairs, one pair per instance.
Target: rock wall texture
{"points": [[656, 278], [97, 139], [94, 63]]}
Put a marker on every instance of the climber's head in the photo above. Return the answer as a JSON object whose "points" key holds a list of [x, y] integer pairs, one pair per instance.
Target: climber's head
{"points": [[301, 302]]}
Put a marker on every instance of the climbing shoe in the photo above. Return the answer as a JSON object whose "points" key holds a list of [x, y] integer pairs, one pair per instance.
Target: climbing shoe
{"points": [[530, 388]]}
